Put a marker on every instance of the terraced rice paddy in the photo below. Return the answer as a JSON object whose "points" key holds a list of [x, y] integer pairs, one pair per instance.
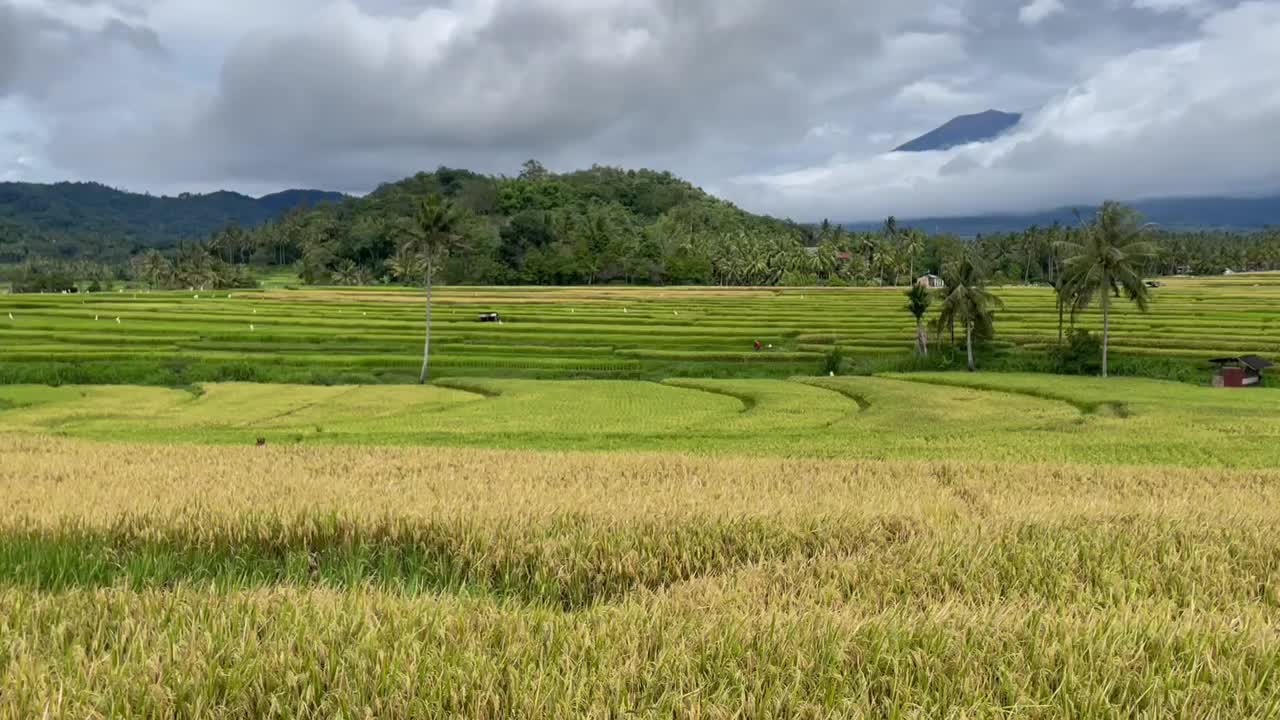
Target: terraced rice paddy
{"points": [[928, 416], [903, 545], [374, 335]]}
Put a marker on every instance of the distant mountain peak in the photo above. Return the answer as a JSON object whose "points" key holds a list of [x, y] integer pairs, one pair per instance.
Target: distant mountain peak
{"points": [[963, 130]]}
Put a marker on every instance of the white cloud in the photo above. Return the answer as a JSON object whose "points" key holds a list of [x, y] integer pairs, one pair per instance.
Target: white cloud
{"points": [[1197, 8], [1037, 11], [936, 96], [797, 98], [1193, 117]]}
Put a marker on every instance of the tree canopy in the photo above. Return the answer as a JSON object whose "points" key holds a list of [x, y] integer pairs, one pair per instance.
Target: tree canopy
{"points": [[600, 225]]}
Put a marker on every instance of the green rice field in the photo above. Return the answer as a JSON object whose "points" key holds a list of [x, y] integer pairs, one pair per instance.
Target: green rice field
{"points": [[349, 336], [981, 417]]}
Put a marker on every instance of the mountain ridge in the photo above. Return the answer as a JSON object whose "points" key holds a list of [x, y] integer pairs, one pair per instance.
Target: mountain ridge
{"points": [[962, 130], [1171, 213], [110, 215]]}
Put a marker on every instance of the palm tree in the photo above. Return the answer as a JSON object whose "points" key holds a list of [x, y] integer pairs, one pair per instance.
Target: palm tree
{"points": [[345, 272], [1108, 262], [890, 228], [406, 265], [968, 302], [1060, 292], [433, 232], [918, 300], [155, 269], [888, 243], [868, 246], [913, 245]]}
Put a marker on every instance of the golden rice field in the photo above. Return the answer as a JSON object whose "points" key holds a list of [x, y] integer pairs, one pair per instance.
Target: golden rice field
{"points": [[151, 580]]}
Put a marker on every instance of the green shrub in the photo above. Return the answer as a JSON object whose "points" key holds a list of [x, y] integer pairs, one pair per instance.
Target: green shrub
{"points": [[1081, 354], [833, 361]]}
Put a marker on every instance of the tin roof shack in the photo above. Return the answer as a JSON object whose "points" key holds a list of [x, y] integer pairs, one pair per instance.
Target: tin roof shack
{"points": [[1239, 371], [933, 282]]}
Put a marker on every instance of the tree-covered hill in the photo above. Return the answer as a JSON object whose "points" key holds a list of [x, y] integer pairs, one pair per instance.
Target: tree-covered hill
{"points": [[598, 225], [90, 220]]}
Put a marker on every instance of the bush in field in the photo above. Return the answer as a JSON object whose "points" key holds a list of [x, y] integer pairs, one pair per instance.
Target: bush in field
{"points": [[1080, 355], [833, 363]]}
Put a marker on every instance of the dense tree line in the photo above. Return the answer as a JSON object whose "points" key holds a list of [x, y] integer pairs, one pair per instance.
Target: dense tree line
{"points": [[606, 225]]}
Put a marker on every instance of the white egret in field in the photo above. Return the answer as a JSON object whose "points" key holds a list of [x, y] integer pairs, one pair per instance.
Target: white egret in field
{"points": [[832, 373], [95, 318], [117, 321], [250, 327], [10, 316], [195, 297]]}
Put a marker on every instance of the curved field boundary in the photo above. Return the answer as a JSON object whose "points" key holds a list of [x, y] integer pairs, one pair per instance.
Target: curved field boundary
{"points": [[861, 400], [468, 386], [1086, 407], [300, 408], [749, 401]]}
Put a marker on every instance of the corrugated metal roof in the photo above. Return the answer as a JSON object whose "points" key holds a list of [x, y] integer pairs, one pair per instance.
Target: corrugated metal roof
{"points": [[1252, 361]]}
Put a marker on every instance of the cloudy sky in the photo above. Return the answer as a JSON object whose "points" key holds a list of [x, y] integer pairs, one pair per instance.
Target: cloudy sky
{"points": [[784, 106]]}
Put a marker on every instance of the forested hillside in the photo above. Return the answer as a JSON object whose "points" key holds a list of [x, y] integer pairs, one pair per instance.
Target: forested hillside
{"points": [[597, 225], [601, 225], [96, 222]]}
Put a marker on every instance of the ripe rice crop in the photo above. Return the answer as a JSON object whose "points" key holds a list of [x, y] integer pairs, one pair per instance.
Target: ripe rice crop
{"points": [[195, 581]]}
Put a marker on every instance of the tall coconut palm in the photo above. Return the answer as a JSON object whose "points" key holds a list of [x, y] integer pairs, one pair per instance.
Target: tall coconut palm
{"points": [[155, 269], [433, 232], [1108, 262], [967, 301], [913, 245], [406, 265], [918, 301], [890, 230]]}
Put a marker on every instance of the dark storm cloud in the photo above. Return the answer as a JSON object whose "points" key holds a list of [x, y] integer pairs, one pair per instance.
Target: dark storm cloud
{"points": [[533, 78], [38, 48], [351, 98], [784, 106]]}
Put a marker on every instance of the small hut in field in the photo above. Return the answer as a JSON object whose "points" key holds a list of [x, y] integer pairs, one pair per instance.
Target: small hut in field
{"points": [[931, 281], [1240, 371]]}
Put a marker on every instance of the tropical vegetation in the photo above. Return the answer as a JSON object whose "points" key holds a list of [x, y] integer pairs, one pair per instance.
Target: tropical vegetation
{"points": [[596, 226], [1108, 261]]}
